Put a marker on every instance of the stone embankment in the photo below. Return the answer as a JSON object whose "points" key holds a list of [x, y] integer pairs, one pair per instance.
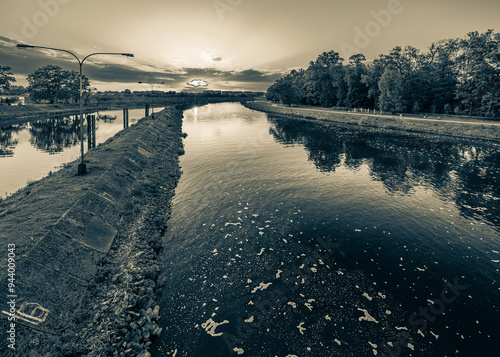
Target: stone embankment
{"points": [[486, 131], [86, 247]]}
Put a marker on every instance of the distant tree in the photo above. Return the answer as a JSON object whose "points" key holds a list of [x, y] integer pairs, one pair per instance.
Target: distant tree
{"points": [[45, 83], [16, 90], [357, 90], [127, 92], [289, 89], [442, 73], [6, 78], [285, 91], [463, 73], [88, 94], [413, 68], [372, 78], [71, 86], [391, 90], [490, 103], [324, 84], [478, 70], [417, 107], [54, 84]]}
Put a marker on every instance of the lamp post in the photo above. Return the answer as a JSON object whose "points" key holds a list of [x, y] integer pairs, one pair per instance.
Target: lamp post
{"points": [[82, 168], [152, 95]]}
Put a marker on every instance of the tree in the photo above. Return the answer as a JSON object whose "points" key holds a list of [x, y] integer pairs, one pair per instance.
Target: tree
{"points": [[71, 86], [459, 73], [372, 78], [391, 90], [16, 90], [442, 74], [357, 90], [478, 70], [490, 103], [88, 94], [6, 78], [284, 91], [52, 83], [329, 74], [417, 107]]}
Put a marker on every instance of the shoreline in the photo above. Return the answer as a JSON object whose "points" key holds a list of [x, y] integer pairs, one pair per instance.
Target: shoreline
{"points": [[485, 132], [19, 114], [25, 113], [104, 299]]}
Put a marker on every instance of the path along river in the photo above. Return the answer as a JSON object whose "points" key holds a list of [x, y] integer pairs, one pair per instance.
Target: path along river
{"points": [[289, 238]]}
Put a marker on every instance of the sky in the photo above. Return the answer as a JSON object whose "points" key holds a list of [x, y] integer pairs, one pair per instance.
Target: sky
{"points": [[229, 44]]}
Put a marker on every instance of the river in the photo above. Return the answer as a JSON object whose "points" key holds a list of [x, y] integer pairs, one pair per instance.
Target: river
{"points": [[289, 238]]}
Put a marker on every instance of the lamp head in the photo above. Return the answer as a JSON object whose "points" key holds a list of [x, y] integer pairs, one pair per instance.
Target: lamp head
{"points": [[127, 54], [20, 45]]}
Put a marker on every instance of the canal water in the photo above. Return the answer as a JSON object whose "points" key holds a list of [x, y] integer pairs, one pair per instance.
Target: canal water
{"points": [[289, 238], [30, 151]]}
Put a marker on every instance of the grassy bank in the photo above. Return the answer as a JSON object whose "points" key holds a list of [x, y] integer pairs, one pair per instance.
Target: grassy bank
{"points": [[101, 303], [485, 131], [16, 114]]}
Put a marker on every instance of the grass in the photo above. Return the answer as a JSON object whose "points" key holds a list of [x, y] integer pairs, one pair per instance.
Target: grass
{"points": [[464, 129], [17, 114]]}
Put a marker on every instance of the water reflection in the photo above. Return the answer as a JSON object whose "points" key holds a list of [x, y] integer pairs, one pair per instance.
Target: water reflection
{"points": [[54, 135], [7, 142], [466, 173], [106, 118], [32, 150]]}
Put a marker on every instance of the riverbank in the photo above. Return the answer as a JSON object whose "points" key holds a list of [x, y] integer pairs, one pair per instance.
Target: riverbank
{"points": [[86, 246], [18, 114], [485, 131]]}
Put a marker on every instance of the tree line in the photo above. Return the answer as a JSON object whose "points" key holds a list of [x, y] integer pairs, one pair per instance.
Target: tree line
{"points": [[50, 83], [455, 75]]}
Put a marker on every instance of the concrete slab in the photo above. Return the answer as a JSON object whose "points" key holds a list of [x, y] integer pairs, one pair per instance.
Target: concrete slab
{"points": [[103, 205], [62, 253], [144, 152], [74, 222], [99, 235]]}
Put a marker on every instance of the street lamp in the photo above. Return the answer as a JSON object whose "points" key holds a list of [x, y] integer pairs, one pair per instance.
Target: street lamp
{"points": [[82, 169], [152, 96]]}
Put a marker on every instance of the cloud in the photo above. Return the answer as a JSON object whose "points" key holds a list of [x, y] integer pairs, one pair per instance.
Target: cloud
{"points": [[252, 75], [117, 69], [7, 42], [198, 83]]}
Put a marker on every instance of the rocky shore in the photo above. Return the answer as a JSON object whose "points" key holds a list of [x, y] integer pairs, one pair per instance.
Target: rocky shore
{"points": [[114, 312], [486, 131]]}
